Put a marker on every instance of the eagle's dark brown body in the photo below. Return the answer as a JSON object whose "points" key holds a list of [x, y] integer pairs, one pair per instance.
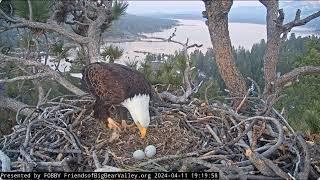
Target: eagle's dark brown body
{"points": [[111, 84]]}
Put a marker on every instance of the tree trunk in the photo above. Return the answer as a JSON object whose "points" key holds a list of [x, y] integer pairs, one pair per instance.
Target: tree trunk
{"points": [[273, 45], [95, 30], [217, 12]]}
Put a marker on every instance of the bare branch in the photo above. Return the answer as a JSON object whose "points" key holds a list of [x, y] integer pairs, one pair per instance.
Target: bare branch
{"points": [[7, 17], [19, 25], [19, 78], [56, 28], [195, 45], [298, 13], [30, 11], [301, 71], [162, 40], [14, 105], [173, 34], [298, 22], [165, 40], [53, 74]]}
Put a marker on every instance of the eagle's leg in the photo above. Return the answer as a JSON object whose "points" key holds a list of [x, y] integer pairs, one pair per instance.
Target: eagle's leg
{"points": [[112, 124]]}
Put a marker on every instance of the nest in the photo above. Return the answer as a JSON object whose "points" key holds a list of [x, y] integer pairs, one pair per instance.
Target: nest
{"points": [[165, 133], [61, 135]]}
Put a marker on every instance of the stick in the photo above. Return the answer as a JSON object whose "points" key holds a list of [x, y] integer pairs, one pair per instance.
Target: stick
{"points": [[213, 134], [95, 159], [5, 162], [242, 102]]}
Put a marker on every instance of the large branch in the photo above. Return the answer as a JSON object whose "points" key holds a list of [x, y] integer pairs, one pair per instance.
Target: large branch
{"points": [[53, 27], [14, 105], [299, 22], [292, 75], [53, 74]]}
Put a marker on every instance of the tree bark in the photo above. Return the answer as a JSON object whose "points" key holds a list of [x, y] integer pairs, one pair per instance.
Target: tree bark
{"points": [[217, 14]]}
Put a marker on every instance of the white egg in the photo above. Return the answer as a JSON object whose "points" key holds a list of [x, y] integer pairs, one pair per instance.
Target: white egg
{"points": [[150, 151], [138, 155]]}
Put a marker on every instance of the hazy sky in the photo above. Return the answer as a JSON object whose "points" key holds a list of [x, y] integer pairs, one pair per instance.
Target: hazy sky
{"points": [[141, 7]]}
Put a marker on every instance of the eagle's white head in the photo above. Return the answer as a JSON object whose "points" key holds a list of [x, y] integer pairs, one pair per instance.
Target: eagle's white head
{"points": [[138, 106]]}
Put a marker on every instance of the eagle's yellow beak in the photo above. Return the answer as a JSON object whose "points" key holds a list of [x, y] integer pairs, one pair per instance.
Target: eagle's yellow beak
{"points": [[143, 131]]}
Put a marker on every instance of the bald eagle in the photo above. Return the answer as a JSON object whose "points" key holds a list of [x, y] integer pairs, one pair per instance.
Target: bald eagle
{"points": [[116, 84]]}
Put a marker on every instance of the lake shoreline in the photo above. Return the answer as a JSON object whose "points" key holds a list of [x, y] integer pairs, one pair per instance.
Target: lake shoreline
{"points": [[137, 37]]}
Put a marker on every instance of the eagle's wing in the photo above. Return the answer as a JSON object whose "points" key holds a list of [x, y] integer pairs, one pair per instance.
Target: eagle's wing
{"points": [[104, 83]]}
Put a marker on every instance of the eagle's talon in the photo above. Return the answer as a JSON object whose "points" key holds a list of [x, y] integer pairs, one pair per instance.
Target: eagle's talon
{"points": [[124, 124], [132, 127]]}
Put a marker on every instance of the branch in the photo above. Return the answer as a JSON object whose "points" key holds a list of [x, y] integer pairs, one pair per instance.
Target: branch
{"points": [[56, 28], [48, 27], [19, 78], [298, 22], [14, 105], [7, 17], [306, 167], [267, 3], [7, 28], [206, 92], [30, 11], [164, 39], [53, 74], [301, 71], [195, 45]]}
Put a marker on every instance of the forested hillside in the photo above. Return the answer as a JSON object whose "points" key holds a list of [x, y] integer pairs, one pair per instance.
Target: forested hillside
{"points": [[130, 25]]}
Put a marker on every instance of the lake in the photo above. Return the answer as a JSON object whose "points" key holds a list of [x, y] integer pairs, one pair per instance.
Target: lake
{"points": [[241, 34]]}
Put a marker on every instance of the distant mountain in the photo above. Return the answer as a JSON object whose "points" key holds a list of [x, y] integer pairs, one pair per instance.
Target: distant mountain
{"points": [[255, 14]]}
